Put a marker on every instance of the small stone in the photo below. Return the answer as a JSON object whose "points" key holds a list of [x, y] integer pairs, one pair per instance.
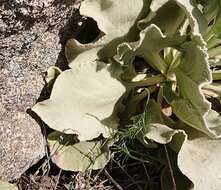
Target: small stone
{"points": [[24, 11]]}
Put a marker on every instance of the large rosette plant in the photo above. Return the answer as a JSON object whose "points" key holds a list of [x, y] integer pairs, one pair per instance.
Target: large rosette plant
{"points": [[178, 43]]}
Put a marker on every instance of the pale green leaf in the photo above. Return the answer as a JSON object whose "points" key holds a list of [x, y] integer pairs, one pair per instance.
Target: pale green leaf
{"points": [[213, 120], [199, 159], [197, 154], [77, 53], [192, 74], [190, 10], [7, 186], [83, 102], [213, 90], [76, 58], [210, 8], [185, 111], [68, 154], [168, 17], [52, 74], [151, 42], [162, 134], [215, 67], [194, 63], [155, 128], [213, 11], [116, 23], [112, 16], [209, 122]]}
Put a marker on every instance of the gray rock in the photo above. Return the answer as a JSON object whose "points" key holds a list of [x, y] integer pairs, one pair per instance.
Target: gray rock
{"points": [[21, 82], [24, 56]]}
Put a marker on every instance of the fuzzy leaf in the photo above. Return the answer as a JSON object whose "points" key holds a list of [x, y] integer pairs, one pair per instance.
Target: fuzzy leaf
{"points": [[156, 130], [115, 21], [77, 53], [168, 17], [214, 89], [112, 16], [212, 10], [213, 120], [197, 155], [199, 159], [191, 12], [52, 73], [82, 102], [68, 154], [151, 42], [192, 73], [7, 186], [162, 134]]}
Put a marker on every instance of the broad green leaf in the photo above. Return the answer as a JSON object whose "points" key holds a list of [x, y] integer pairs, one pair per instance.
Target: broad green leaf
{"points": [[199, 159], [80, 53], [68, 154], [52, 73], [7, 186], [213, 120], [210, 9], [213, 90], [216, 75], [213, 42], [207, 123], [197, 154], [215, 52], [192, 74], [152, 39], [168, 17], [112, 16], [216, 13], [162, 134], [191, 12], [153, 113], [194, 63], [115, 21], [83, 102], [155, 128], [190, 115], [151, 42]]}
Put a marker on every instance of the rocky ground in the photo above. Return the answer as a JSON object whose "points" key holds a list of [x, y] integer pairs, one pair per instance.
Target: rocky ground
{"points": [[32, 38]]}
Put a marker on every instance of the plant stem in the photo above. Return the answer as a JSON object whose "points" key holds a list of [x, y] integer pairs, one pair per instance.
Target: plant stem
{"points": [[138, 186], [216, 75], [157, 62], [170, 168], [59, 175], [112, 180], [148, 81]]}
